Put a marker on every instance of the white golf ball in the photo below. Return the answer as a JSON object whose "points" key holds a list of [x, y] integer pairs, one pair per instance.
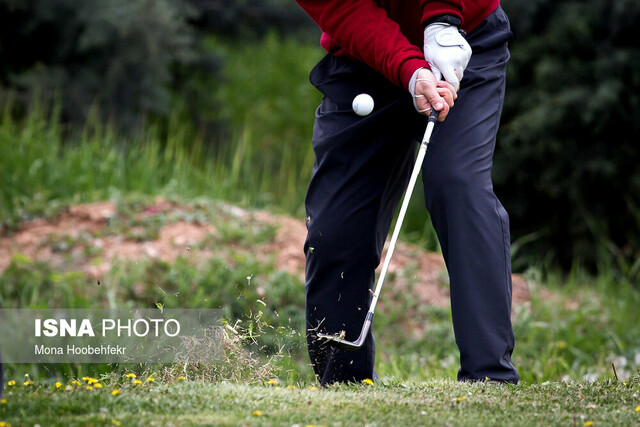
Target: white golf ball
{"points": [[362, 104]]}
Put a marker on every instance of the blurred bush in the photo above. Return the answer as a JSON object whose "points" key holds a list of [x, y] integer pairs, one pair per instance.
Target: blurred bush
{"points": [[121, 56], [130, 59], [566, 162], [254, 18]]}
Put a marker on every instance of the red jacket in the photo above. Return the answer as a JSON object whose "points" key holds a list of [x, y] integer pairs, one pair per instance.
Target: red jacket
{"points": [[387, 35]]}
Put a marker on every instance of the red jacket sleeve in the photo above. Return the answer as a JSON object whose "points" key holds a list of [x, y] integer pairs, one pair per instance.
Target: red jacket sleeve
{"points": [[432, 8], [364, 31]]}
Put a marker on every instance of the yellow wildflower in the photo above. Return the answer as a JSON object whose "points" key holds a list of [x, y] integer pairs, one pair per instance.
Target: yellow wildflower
{"points": [[272, 382], [150, 379], [460, 399], [638, 408], [76, 382], [368, 381], [313, 388], [115, 392], [58, 384], [588, 423], [89, 387], [115, 422], [86, 378], [137, 382], [130, 375], [92, 380], [181, 378], [291, 387], [3, 401], [3, 424], [11, 383], [257, 413], [97, 385], [28, 383]]}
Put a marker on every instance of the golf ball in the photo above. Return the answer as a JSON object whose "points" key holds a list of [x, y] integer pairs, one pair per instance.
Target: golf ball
{"points": [[362, 104]]}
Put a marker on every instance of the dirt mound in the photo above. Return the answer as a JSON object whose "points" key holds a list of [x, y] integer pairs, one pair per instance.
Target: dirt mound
{"points": [[71, 240]]}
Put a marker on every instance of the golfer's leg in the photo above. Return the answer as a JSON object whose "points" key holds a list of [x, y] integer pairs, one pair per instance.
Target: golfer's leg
{"points": [[472, 225], [362, 165]]}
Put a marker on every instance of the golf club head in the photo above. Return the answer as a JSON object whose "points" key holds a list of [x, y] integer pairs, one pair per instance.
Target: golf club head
{"points": [[341, 343]]}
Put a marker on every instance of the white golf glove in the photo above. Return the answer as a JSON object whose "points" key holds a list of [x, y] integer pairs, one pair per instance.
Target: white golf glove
{"points": [[447, 52]]}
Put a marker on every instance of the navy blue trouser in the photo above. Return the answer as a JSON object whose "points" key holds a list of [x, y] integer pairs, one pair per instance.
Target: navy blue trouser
{"points": [[362, 168]]}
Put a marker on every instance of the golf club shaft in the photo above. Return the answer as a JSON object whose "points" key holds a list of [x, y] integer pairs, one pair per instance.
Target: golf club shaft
{"points": [[403, 211], [392, 244]]}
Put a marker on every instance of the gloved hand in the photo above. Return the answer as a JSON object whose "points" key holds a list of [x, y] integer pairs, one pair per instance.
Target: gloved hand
{"points": [[447, 52]]}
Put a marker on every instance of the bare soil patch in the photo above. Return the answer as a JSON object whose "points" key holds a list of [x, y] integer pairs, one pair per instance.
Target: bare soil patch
{"points": [[72, 239]]}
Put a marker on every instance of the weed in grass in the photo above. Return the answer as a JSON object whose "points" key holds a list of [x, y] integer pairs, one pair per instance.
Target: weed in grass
{"points": [[393, 402], [574, 332]]}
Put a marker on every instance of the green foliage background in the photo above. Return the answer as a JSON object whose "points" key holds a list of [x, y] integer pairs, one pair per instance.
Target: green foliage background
{"points": [[232, 75], [567, 159]]}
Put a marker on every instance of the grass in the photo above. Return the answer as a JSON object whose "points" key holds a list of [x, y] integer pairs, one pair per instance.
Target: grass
{"points": [[265, 159], [571, 331], [232, 275], [441, 402]]}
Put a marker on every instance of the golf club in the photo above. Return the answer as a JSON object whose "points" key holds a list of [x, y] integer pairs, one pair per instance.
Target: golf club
{"points": [[338, 340]]}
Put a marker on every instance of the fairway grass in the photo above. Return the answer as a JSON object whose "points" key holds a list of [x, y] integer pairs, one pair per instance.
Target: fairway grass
{"points": [[388, 402]]}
